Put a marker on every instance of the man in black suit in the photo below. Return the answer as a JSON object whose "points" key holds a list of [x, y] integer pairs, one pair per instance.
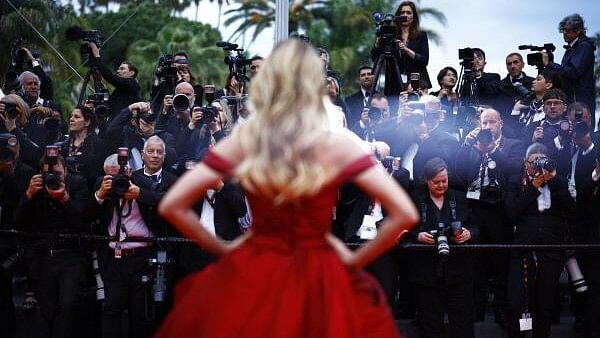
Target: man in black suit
{"points": [[483, 167], [54, 202], [130, 213], [547, 130], [358, 216], [512, 88], [577, 66], [359, 100], [486, 83]]}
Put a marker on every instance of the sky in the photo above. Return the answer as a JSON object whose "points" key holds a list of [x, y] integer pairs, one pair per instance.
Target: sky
{"points": [[498, 27]]}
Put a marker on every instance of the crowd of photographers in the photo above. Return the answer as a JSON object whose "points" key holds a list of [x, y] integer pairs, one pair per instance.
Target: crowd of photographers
{"points": [[487, 160]]}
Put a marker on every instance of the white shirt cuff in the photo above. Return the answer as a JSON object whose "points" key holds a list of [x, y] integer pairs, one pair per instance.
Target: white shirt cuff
{"points": [[595, 176], [515, 113], [98, 199]]}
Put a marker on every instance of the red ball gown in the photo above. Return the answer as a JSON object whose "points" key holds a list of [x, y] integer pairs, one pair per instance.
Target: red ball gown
{"points": [[285, 281]]}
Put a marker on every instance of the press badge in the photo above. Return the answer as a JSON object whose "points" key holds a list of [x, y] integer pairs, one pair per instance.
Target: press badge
{"points": [[473, 194], [526, 322], [368, 229]]}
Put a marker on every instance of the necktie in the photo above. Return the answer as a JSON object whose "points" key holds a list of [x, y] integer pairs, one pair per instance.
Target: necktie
{"points": [[154, 178]]}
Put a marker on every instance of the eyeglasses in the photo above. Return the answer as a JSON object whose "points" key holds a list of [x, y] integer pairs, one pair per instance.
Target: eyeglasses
{"points": [[553, 103], [537, 158]]}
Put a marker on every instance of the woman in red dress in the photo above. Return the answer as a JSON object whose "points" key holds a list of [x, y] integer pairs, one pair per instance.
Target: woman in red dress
{"points": [[289, 277]]}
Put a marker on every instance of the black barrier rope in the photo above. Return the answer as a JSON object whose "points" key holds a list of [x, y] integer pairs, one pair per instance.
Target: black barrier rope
{"points": [[403, 246]]}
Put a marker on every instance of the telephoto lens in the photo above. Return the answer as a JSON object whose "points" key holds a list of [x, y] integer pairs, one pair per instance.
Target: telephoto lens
{"points": [[575, 276]]}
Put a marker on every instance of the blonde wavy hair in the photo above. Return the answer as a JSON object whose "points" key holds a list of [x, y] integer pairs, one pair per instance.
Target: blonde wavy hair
{"points": [[287, 125]]}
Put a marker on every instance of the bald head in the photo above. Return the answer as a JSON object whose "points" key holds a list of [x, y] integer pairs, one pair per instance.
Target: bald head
{"points": [[184, 88], [490, 119]]}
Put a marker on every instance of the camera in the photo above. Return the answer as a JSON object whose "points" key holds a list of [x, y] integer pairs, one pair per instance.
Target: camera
{"points": [[575, 276], [385, 29], [100, 102], [10, 110], [484, 137], [388, 161], [166, 72], [441, 239], [544, 163], [535, 59], [375, 114], [50, 178], [75, 33], [18, 54], [121, 182], [467, 56], [181, 103], [237, 63], [209, 114]]}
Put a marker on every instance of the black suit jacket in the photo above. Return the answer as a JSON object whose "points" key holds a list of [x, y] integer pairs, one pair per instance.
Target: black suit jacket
{"points": [[508, 157], [353, 204], [229, 206], [150, 195], [407, 65], [577, 72], [354, 105], [507, 96], [427, 266], [45, 214], [533, 226], [438, 144], [488, 86], [127, 90]]}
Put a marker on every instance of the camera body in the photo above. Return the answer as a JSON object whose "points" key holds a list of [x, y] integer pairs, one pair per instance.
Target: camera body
{"points": [[121, 181], [100, 102], [236, 62], [18, 54], [385, 30], [484, 137], [544, 164], [75, 33], [10, 110], [467, 56], [536, 59], [166, 72], [209, 114], [440, 235], [50, 178]]}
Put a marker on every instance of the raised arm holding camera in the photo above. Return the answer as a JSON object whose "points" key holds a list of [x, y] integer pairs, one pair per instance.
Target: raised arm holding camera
{"points": [[54, 202], [127, 88]]}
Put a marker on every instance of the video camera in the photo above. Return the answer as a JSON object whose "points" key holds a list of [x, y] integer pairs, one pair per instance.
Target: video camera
{"points": [[18, 54], [100, 102], [121, 181], [166, 72], [467, 56], [75, 33], [237, 62], [535, 59], [385, 29]]}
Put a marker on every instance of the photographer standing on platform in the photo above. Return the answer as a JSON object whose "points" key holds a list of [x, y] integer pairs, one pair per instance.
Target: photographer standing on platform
{"points": [[127, 88], [54, 202], [443, 278], [577, 66]]}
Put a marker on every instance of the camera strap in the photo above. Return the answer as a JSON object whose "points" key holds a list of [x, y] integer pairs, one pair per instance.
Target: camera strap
{"points": [[525, 322]]}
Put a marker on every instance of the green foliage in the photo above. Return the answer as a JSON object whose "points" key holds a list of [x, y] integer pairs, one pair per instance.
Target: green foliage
{"points": [[150, 30]]}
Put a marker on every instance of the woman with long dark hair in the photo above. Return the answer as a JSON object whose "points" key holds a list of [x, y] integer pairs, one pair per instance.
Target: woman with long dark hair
{"points": [[410, 49]]}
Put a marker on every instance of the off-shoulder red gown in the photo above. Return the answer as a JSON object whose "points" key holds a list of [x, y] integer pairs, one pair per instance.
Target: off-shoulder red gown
{"points": [[285, 281]]}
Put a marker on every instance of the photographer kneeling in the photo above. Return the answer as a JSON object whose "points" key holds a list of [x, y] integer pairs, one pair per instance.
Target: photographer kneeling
{"points": [[443, 278]]}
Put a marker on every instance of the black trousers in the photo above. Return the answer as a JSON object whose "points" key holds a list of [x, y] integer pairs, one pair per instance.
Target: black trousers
{"points": [[590, 264], [543, 275], [124, 289], [7, 307], [493, 229], [435, 301], [57, 290]]}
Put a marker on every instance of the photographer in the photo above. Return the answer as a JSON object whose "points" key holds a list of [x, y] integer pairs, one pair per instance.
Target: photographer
{"points": [[442, 278], [127, 88], [35, 85], [548, 130], [484, 163], [358, 216], [372, 119], [516, 85], [132, 127], [486, 83], [411, 49], [54, 203], [126, 204], [539, 204], [14, 115], [14, 180], [172, 120], [359, 100], [534, 110], [577, 66]]}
